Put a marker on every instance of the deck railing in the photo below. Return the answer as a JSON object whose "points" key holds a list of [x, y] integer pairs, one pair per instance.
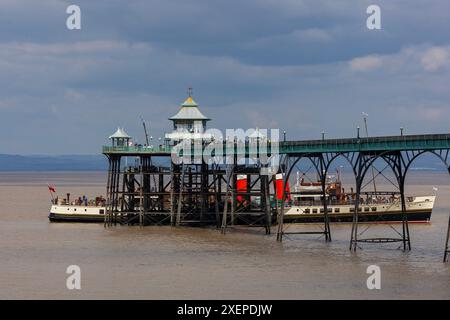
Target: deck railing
{"points": [[136, 149], [388, 143]]}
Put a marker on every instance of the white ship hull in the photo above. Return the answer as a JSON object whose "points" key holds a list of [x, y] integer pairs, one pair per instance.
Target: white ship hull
{"points": [[77, 213], [418, 210]]}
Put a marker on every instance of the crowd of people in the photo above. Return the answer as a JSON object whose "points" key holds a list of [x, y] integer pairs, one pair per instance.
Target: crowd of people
{"points": [[99, 201]]}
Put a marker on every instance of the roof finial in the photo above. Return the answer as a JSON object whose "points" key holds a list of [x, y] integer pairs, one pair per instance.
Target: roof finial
{"points": [[190, 92]]}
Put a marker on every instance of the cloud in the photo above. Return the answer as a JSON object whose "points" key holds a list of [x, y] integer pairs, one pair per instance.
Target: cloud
{"points": [[368, 63], [313, 35], [80, 47], [98, 85], [435, 58], [431, 113], [420, 57]]}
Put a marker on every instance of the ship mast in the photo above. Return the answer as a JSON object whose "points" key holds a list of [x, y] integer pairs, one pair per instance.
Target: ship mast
{"points": [[365, 115], [297, 182], [145, 131]]}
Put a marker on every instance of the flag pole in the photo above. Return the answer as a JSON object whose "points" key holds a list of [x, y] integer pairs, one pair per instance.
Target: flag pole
{"points": [[51, 193]]}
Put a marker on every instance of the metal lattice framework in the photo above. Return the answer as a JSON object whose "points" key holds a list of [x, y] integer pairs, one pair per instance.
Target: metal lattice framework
{"points": [[321, 164], [194, 185], [398, 160], [146, 194]]}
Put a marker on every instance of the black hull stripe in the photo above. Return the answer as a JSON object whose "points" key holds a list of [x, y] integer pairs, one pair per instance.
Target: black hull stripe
{"points": [[418, 216]]}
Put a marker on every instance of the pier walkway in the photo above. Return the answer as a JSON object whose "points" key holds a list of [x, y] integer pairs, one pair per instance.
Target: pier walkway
{"points": [[384, 143]]}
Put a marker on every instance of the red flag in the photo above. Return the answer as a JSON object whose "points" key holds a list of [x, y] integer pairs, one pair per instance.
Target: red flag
{"points": [[51, 188]]}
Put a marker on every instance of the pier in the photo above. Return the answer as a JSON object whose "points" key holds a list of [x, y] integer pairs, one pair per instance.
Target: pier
{"points": [[203, 193]]}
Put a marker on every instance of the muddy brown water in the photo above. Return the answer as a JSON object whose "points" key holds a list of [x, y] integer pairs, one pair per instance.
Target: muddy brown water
{"points": [[200, 263]]}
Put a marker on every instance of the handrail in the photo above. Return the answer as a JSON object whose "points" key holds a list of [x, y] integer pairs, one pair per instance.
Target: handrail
{"points": [[383, 143]]}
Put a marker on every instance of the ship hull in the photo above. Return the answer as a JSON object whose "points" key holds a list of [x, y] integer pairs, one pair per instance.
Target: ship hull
{"points": [[417, 210], [385, 217], [54, 217], [418, 217], [72, 213]]}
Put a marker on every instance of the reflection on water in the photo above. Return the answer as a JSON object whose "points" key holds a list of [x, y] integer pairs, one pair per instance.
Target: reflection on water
{"points": [[165, 262]]}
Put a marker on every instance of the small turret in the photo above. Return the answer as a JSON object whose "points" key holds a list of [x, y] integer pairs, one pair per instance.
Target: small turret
{"points": [[120, 138]]}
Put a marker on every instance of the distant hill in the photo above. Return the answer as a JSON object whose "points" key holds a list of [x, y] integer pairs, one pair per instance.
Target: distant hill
{"points": [[53, 163]]}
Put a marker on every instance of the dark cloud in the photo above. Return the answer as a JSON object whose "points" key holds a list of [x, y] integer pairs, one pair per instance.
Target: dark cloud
{"points": [[303, 66]]}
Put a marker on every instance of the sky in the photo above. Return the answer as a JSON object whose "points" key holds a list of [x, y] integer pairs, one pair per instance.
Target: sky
{"points": [[304, 66]]}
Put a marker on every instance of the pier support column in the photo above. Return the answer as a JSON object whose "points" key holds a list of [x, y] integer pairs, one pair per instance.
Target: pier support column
{"points": [[117, 191], [172, 195], [399, 167], [123, 203], [447, 249], [323, 180], [233, 198], [180, 196], [354, 235], [204, 195], [160, 192], [108, 194], [265, 202], [228, 177], [112, 197], [111, 192], [141, 197], [217, 197], [321, 167], [405, 225]]}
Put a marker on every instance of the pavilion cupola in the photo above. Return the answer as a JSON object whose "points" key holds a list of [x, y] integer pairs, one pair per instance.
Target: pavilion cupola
{"points": [[188, 121], [120, 138]]}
